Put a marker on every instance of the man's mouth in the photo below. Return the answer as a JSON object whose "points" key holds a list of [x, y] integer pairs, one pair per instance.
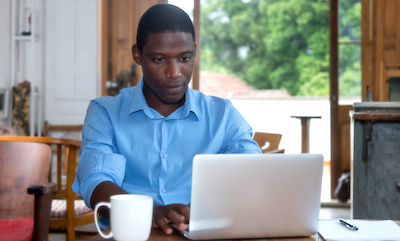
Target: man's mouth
{"points": [[174, 88]]}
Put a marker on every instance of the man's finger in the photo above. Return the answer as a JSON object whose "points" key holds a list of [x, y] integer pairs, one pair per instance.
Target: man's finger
{"points": [[164, 226], [178, 219], [186, 212]]}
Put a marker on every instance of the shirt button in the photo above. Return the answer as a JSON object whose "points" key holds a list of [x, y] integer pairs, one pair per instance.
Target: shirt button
{"points": [[165, 155], [164, 190]]}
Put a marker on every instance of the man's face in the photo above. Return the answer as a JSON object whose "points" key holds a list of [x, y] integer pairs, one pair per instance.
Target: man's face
{"points": [[167, 61]]}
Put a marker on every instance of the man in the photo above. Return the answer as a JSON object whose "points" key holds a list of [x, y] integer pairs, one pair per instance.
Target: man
{"points": [[143, 140]]}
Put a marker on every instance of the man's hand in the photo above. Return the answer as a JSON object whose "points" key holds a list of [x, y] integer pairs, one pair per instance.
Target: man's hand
{"points": [[102, 193], [164, 216]]}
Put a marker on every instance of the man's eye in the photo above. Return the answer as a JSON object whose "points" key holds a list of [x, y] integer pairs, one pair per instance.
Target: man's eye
{"points": [[185, 59], [158, 60]]}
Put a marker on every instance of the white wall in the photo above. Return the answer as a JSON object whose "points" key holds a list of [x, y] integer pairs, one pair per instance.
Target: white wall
{"points": [[5, 45], [274, 116], [70, 64]]}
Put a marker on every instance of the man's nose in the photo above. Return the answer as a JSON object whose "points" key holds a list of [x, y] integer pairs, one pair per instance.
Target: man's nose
{"points": [[173, 70]]}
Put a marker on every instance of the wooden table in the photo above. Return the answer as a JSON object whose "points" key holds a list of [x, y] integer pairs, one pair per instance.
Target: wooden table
{"points": [[305, 132], [158, 235]]}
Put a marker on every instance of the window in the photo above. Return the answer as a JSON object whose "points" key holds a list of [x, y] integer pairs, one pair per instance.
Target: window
{"points": [[349, 51]]}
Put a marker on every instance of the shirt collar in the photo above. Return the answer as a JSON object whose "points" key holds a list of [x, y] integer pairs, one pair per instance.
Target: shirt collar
{"points": [[139, 104], [138, 101], [190, 105]]}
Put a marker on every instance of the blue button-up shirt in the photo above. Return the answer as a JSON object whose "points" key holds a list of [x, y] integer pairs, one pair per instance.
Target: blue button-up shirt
{"points": [[128, 143]]}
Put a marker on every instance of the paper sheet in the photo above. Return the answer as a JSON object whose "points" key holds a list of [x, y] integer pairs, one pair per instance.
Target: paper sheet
{"points": [[332, 230]]}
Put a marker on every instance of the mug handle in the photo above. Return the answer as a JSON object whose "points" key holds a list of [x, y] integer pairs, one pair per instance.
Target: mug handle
{"points": [[106, 236]]}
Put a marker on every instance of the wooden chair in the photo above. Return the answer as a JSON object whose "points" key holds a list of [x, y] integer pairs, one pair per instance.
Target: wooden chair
{"points": [[49, 128], [23, 171], [268, 142], [65, 215], [65, 130]]}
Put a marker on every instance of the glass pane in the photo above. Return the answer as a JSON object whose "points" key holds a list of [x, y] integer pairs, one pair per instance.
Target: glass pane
{"points": [[350, 73], [349, 20], [394, 89], [349, 54]]}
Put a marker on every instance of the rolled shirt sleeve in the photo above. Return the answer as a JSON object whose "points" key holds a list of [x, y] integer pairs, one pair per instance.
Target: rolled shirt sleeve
{"points": [[238, 133], [99, 161], [95, 169]]}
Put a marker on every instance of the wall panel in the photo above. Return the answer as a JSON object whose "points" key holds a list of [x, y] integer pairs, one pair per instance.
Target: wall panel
{"points": [[380, 44], [71, 74]]}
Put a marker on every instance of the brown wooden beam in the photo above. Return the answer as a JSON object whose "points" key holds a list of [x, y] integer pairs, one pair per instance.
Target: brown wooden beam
{"points": [[377, 116], [334, 91], [196, 23], [104, 44]]}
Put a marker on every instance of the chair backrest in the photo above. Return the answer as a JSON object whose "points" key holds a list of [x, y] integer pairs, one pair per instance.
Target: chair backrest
{"points": [[67, 158], [21, 164], [69, 131], [68, 149], [267, 141]]}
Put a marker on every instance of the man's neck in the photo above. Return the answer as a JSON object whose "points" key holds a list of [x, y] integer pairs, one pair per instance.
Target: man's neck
{"points": [[164, 108]]}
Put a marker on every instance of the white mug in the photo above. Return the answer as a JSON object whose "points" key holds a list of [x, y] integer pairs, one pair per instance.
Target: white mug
{"points": [[130, 217]]}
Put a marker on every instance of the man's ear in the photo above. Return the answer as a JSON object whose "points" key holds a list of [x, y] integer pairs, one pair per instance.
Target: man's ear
{"points": [[136, 54]]}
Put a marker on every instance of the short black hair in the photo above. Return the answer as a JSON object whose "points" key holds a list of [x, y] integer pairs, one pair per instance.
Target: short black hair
{"points": [[163, 18]]}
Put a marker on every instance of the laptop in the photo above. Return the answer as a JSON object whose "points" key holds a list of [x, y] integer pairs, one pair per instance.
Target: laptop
{"points": [[236, 196]]}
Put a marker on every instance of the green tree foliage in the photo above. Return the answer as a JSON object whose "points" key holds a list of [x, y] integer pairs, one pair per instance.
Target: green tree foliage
{"points": [[271, 44]]}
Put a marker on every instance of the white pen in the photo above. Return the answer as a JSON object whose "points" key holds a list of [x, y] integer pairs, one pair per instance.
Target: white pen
{"points": [[348, 225]]}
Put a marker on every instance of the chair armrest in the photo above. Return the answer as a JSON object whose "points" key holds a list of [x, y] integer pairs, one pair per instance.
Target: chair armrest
{"points": [[277, 151], [42, 189], [41, 218]]}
